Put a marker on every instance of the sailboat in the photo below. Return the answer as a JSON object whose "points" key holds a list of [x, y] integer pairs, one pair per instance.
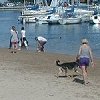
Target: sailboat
{"points": [[30, 15], [85, 13]]}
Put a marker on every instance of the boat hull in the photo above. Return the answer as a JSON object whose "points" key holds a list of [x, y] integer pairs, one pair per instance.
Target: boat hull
{"points": [[70, 20]]}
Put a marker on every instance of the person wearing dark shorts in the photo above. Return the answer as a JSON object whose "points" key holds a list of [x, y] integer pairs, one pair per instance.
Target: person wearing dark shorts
{"points": [[84, 61], [85, 56]]}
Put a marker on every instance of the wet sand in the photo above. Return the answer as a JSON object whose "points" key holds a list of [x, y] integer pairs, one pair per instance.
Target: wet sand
{"points": [[28, 75]]}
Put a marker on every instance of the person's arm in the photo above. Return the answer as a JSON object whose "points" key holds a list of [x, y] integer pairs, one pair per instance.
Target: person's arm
{"points": [[17, 35], [11, 31], [80, 51], [91, 57]]}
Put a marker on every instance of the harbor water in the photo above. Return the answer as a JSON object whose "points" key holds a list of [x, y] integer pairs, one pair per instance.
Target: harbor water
{"points": [[64, 39]]}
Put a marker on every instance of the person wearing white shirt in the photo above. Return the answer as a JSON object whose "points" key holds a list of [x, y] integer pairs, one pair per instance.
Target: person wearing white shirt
{"points": [[41, 42], [14, 39], [23, 41]]}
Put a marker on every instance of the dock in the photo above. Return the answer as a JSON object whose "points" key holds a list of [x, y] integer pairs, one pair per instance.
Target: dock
{"points": [[12, 8]]}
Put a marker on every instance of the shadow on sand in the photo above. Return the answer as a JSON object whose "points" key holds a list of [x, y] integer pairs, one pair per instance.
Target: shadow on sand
{"points": [[77, 80], [72, 76]]}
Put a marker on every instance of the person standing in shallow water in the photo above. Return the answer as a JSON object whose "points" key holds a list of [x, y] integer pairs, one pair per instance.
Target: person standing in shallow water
{"points": [[85, 57], [14, 39], [23, 41]]}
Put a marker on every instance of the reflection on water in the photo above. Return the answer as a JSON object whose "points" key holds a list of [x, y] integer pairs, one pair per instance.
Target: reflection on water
{"points": [[61, 38], [96, 28]]}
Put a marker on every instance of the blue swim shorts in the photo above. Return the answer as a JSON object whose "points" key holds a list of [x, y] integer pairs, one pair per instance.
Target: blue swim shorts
{"points": [[84, 61]]}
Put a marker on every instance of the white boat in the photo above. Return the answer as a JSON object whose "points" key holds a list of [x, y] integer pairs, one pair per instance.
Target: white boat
{"points": [[70, 20], [84, 14], [95, 19], [48, 19], [42, 20], [84, 17], [35, 9], [30, 20], [62, 21], [78, 11], [27, 19], [53, 19], [34, 12]]}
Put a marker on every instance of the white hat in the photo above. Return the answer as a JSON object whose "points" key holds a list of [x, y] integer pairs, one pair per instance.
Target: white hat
{"points": [[84, 41]]}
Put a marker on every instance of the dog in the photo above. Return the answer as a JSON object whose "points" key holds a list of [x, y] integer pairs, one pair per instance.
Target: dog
{"points": [[64, 67]]}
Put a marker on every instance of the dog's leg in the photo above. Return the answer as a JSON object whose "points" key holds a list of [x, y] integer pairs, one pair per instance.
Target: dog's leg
{"points": [[76, 69], [60, 71], [66, 70]]}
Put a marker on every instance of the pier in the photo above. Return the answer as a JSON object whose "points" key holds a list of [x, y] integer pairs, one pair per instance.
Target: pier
{"points": [[12, 8]]}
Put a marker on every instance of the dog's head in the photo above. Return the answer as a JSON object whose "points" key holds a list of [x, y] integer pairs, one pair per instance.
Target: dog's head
{"points": [[57, 62]]}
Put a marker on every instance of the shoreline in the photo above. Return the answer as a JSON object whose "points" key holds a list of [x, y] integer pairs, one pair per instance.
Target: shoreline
{"points": [[28, 75], [34, 51]]}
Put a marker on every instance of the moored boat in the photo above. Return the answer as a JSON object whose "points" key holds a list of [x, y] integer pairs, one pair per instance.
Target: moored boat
{"points": [[70, 20], [42, 20], [27, 19], [53, 19], [95, 19], [85, 17]]}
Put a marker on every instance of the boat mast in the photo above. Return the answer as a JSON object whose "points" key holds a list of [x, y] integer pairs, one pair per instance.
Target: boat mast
{"points": [[88, 4], [24, 4], [72, 2]]}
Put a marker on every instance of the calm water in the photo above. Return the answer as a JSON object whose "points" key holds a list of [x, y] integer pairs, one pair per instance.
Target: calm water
{"points": [[69, 42]]}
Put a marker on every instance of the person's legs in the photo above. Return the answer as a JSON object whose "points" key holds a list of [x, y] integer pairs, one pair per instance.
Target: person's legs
{"points": [[13, 46], [19, 45], [84, 73], [42, 43], [25, 43], [42, 48], [10, 43], [39, 47], [16, 45], [84, 62]]}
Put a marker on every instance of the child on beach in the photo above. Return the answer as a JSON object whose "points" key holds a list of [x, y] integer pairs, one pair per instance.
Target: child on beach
{"points": [[41, 42], [23, 41], [85, 56], [14, 39]]}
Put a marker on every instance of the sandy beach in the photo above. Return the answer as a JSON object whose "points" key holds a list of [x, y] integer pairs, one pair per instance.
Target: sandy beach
{"points": [[28, 75]]}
